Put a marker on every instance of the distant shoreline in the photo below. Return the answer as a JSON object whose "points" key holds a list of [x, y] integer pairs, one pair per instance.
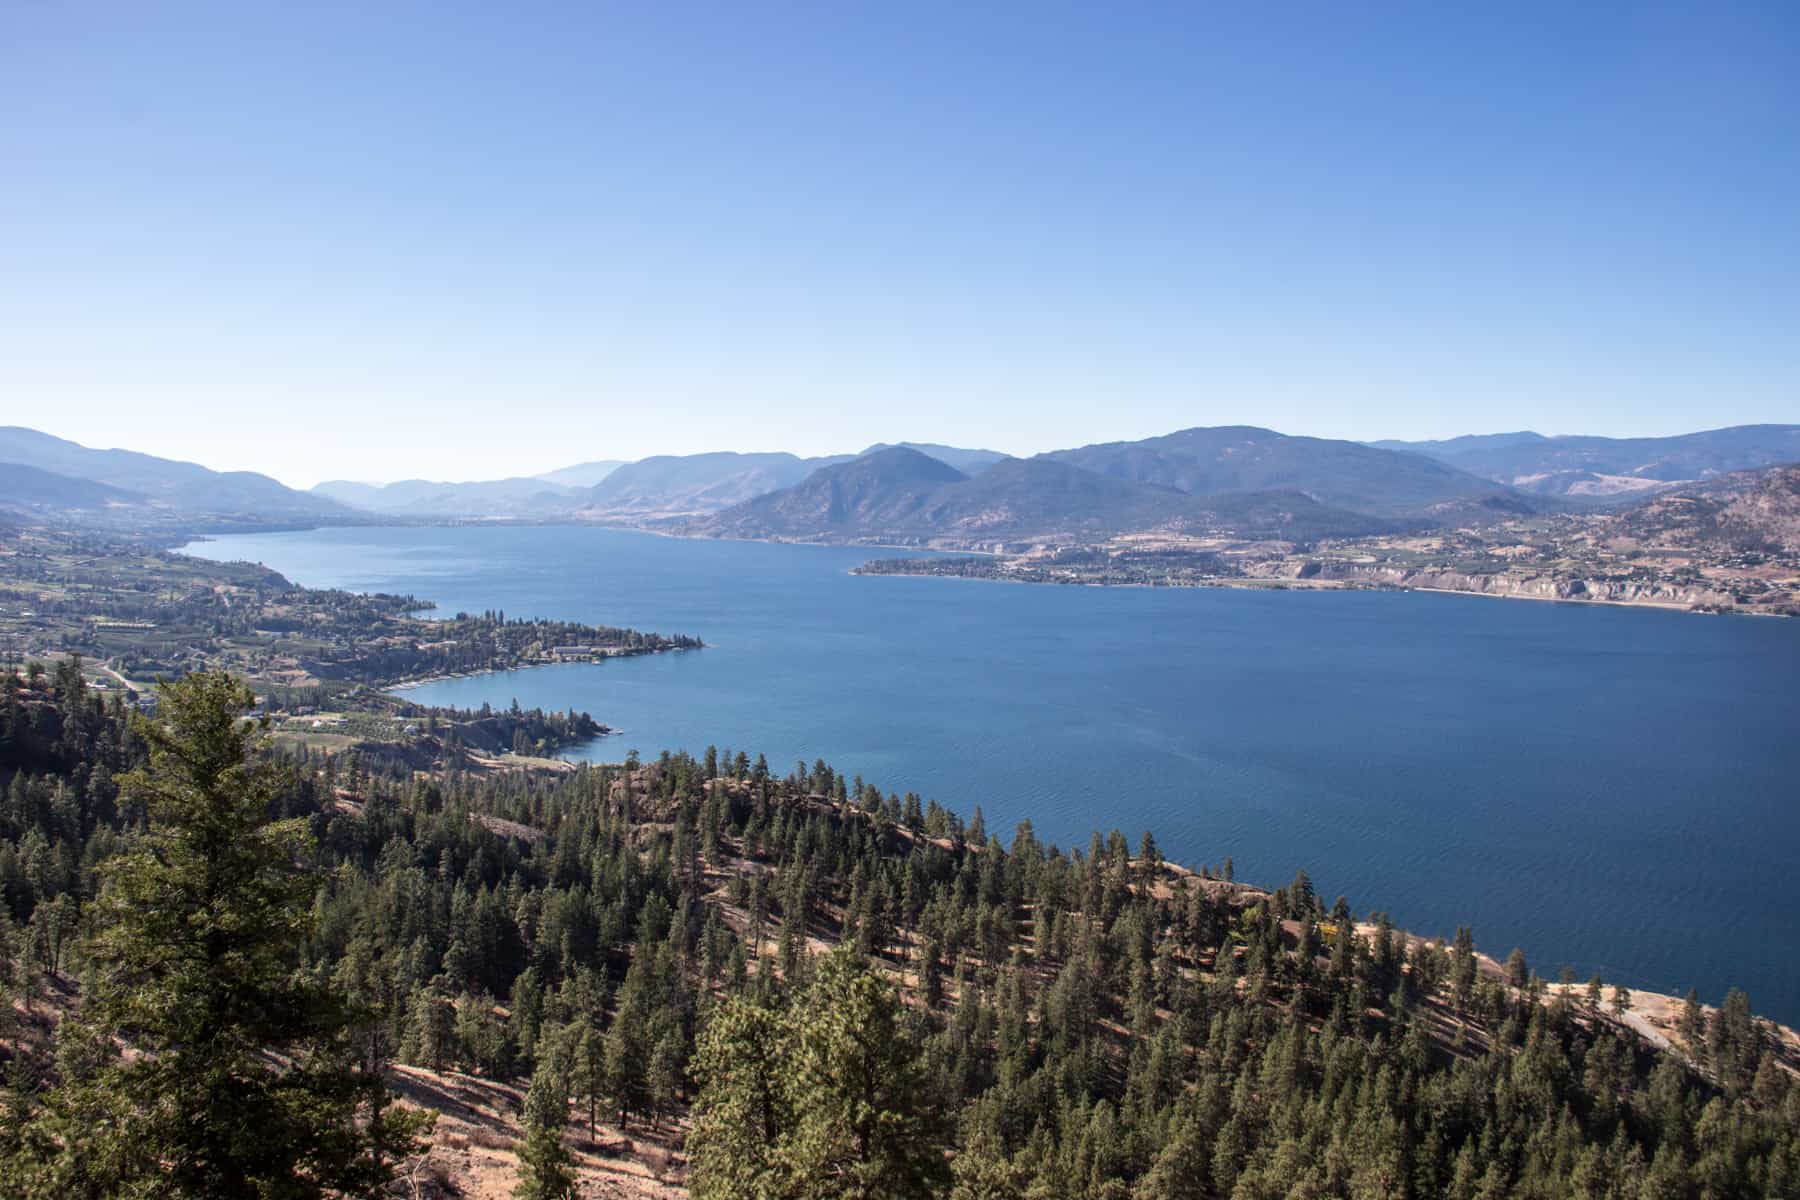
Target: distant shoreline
{"points": [[1269, 584]]}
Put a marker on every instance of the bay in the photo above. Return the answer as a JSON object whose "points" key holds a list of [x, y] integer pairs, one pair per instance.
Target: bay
{"points": [[1610, 788]]}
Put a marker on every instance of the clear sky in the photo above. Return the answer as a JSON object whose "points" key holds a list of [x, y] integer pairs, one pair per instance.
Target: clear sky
{"points": [[380, 240]]}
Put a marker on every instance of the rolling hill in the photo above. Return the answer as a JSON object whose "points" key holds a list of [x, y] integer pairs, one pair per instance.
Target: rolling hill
{"points": [[901, 495], [969, 462], [582, 475], [1337, 474], [1600, 469], [424, 499], [693, 483], [1755, 511], [27, 487], [877, 493], [687, 485], [183, 486]]}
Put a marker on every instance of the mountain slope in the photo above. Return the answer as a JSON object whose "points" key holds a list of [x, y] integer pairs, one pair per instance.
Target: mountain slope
{"points": [[1243, 458], [424, 498], [24, 486], [1600, 468], [1745, 510], [876, 493], [1040, 497], [582, 475], [968, 461], [901, 495], [181, 485], [693, 483]]}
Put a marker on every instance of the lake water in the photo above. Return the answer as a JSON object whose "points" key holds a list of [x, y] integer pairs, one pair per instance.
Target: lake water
{"points": [[1611, 788]]}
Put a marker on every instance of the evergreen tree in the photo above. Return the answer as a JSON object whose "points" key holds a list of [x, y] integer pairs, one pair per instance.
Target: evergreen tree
{"points": [[821, 1101], [743, 1066], [545, 1165], [865, 1132], [1098, 1032], [199, 925]]}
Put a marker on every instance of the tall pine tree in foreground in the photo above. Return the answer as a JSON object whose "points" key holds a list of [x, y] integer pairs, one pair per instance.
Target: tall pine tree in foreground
{"points": [[241, 1078]]}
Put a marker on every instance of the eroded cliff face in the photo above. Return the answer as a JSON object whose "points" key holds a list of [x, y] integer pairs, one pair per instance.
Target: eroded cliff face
{"points": [[1530, 586]]}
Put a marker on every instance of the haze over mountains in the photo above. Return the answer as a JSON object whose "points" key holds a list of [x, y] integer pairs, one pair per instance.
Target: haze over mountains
{"points": [[1601, 469], [1242, 458], [142, 485], [426, 499], [903, 495], [1232, 480]]}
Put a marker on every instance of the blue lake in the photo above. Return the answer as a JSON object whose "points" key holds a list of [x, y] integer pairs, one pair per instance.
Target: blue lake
{"points": [[1611, 788]]}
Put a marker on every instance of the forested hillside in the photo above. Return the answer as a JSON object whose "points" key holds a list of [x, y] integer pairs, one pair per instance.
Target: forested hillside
{"points": [[649, 945]]}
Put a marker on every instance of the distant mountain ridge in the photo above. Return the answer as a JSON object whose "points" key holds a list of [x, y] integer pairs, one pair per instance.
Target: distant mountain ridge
{"points": [[582, 475], [969, 462], [877, 492], [904, 496], [1601, 469], [1239, 481], [27, 487], [663, 485], [695, 483], [1234, 480], [181, 486], [423, 498], [1211, 461]]}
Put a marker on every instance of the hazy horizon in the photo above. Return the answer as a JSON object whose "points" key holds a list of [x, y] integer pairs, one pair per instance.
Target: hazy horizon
{"points": [[537, 471], [465, 243]]}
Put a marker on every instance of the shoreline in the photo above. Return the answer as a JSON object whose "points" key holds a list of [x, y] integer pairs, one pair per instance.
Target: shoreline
{"points": [[1238, 583], [1646, 996], [412, 681], [1272, 584]]}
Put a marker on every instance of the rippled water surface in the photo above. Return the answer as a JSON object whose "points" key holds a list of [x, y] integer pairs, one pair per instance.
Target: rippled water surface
{"points": [[1611, 788]]}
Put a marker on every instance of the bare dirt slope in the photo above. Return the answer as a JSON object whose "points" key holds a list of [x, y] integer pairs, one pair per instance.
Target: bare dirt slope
{"points": [[473, 1149]]}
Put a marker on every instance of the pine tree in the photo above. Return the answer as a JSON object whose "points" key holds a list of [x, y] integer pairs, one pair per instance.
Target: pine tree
{"points": [[1621, 1000], [665, 1074], [1693, 1024], [545, 1165], [199, 924], [1518, 973], [745, 1103], [823, 1100], [863, 1130]]}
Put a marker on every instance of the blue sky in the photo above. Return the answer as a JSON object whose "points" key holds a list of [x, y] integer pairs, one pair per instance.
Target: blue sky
{"points": [[461, 241]]}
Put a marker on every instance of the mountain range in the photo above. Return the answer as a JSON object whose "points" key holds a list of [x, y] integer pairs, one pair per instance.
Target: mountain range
{"points": [[1233, 480], [425, 499], [1242, 458], [40, 471], [690, 484], [1600, 469], [900, 495]]}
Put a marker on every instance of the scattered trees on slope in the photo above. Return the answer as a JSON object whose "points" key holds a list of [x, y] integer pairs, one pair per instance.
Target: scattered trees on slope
{"points": [[1087, 1025]]}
